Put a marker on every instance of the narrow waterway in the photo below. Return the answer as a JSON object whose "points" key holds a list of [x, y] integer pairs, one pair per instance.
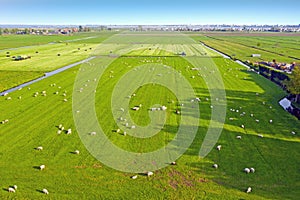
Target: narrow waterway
{"points": [[46, 75]]}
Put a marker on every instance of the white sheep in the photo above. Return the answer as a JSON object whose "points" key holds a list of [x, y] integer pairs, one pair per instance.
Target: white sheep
{"points": [[5, 94], [149, 173], [69, 131], [215, 166], [65, 100], [219, 147], [136, 108], [173, 163], [58, 132], [243, 126], [60, 126], [42, 167], [40, 148], [10, 189], [133, 127], [8, 98], [271, 121], [257, 120], [231, 119], [293, 133], [45, 191], [252, 170], [125, 133], [260, 135], [238, 137], [251, 115], [247, 170], [134, 177], [15, 187], [93, 133], [163, 108], [118, 130], [76, 152], [249, 189]]}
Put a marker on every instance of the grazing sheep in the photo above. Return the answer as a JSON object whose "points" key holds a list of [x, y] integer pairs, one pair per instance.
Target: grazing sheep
{"points": [[69, 131], [8, 98], [59, 132], [134, 177], [93, 133], [15, 187], [65, 100], [163, 108], [118, 130], [293, 133], [133, 127], [252, 115], [243, 126], [20, 97], [271, 121], [211, 106], [257, 120], [5, 94], [260, 135], [45, 191], [10, 189], [76, 152], [60, 126], [215, 166], [173, 163], [238, 137], [42, 167], [40, 148], [149, 173], [125, 133], [231, 119], [136, 108], [249, 189], [252, 170], [247, 170], [219, 147]]}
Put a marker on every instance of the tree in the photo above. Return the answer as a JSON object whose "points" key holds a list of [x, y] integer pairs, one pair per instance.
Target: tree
{"points": [[80, 28], [0, 31], [293, 85]]}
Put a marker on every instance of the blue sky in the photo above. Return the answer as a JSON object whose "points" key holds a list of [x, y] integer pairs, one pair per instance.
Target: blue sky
{"points": [[149, 12]]}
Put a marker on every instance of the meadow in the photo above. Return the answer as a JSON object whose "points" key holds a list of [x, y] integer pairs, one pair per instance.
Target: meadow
{"points": [[33, 122], [242, 46]]}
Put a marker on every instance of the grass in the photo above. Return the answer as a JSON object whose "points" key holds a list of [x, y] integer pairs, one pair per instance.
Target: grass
{"points": [[33, 121], [280, 48]]}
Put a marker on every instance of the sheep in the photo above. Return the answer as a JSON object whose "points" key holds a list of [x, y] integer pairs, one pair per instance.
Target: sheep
{"points": [[118, 130], [219, 147], [260, 135], [163, 108], [45, 191], [249, 189], [215, 166], [136, 108], [243, 126], [257, 120], [10, 189], [126, 124], [69, 131], [149, 173], [76, 152], [198, 99], [42, 167], [247, 170], [8, 98], [238, 137], [93, 133], [40, 148], [59, 132], [133, 127], [271, 121], [65, 100], [15, 187], [5, 94], [211, 106], [251, 115], [173, 163], [125, 133], [20, 97], [293, 133], [60, 126], [134, 177], [252, 170], [231, 119]]}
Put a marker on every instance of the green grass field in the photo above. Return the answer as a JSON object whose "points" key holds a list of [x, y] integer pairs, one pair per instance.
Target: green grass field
{"points": [[270, 46], [33, 122]]}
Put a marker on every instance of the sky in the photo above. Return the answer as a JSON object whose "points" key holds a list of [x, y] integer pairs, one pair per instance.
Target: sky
{"points": [[149, 12]]}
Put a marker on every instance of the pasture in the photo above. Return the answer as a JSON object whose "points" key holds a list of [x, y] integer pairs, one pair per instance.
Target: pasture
{"points": [[282, 48], [33, 121]]}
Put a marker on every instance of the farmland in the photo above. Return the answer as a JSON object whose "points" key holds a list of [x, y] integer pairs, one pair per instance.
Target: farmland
{"points": [[33, 121], [242, 46]]}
